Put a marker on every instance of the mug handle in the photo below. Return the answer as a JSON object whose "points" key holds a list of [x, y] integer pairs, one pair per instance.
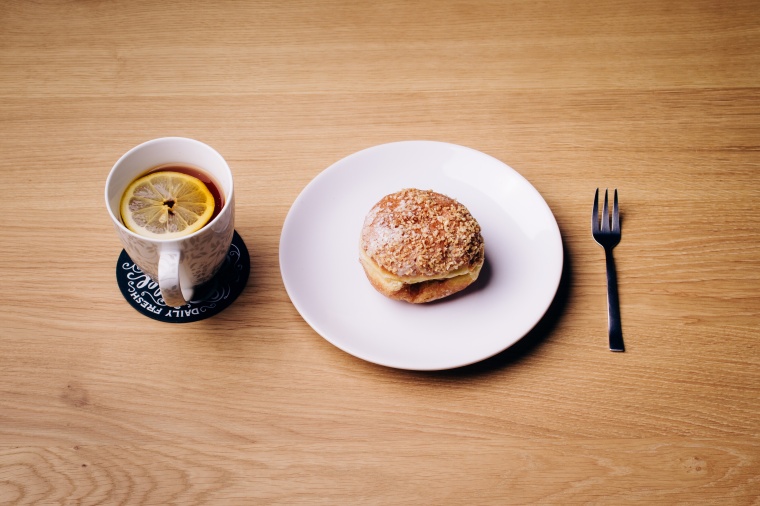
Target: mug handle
{"points": [[168, 278]]}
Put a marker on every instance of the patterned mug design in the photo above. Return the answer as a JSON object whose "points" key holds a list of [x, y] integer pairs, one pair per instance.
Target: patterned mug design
{"points": [[202, 254], [194, 258], [144, 294]]}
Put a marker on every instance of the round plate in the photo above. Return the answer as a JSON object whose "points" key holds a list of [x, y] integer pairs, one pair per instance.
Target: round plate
{"points": [[322, 275]]}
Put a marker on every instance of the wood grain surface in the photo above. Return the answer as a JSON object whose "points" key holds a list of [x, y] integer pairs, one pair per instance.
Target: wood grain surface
{"points": [[101, 405]]}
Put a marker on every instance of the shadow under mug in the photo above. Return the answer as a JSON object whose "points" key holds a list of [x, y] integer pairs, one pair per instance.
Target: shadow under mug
{"points": [[178, 265]]}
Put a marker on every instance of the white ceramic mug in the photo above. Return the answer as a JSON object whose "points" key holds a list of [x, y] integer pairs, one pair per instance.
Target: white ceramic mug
{"points": [[178, 265]]}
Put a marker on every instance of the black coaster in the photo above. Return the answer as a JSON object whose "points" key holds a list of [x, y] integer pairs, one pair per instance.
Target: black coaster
{"points": [[143, 293]]}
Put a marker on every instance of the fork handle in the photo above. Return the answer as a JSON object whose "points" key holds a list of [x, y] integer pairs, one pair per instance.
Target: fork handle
{"points": [[613, 304]]}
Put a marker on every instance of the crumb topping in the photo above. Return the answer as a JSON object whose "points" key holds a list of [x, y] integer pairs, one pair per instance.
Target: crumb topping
{"points": [[421, 233]]}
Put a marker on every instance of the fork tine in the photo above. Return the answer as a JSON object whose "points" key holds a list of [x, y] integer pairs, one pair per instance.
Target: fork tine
{"points": [[605, 214], [595, 213], [615, 215]]}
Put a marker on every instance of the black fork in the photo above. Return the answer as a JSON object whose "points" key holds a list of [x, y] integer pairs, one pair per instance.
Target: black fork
{"points": [[608, 236]]}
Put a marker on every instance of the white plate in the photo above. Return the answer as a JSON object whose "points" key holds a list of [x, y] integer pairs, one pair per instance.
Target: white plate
{"points": [[322, 275]]}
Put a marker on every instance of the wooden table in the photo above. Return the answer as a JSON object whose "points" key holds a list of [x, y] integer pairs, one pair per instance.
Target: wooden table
{"points": [[101, 405]]}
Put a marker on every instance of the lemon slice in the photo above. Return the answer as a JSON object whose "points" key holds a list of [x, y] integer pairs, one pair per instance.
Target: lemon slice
{"points": [[166, 205]]}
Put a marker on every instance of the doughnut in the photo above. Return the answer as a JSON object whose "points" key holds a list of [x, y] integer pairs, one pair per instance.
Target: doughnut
{"points": [[418, 246]]}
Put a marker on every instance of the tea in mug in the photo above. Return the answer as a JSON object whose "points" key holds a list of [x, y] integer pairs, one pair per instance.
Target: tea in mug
{"points": [[170, 201]]}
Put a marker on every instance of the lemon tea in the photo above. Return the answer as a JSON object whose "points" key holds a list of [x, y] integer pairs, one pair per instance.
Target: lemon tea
{"points": [[179, 204], [177, 256]]}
